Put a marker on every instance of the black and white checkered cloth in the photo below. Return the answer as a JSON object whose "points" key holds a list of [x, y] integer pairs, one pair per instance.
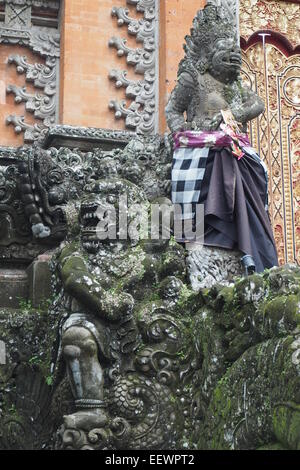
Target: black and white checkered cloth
{"points": [[187, 174]]}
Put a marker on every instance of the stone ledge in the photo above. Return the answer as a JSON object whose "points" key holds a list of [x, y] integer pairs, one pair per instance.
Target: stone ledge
{"points": [[13, 287], [86, 138]]}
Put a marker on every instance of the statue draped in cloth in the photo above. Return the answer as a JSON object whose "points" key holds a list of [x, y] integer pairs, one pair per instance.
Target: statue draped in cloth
{"points": [[213, 161]]}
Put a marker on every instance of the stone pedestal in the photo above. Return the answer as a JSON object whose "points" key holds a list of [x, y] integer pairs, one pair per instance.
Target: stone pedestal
{"points": [[13, 287], [39, 277]]}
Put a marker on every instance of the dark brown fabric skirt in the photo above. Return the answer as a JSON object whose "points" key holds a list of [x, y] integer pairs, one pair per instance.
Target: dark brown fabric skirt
{"points": [[234, 194]]}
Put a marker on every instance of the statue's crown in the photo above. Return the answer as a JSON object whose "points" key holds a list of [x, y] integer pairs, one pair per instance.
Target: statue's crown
{"points": [[210, 24]]}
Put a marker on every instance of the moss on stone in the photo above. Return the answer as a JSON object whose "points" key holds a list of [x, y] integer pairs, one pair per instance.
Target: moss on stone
{"points": [[286, 422], [283, 309]]}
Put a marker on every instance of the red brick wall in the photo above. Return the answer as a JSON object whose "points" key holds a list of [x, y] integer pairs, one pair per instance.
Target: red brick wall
{"points": [[87, 60]]}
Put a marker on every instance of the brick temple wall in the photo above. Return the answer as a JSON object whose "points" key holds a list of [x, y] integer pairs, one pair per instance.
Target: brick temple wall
{"points": [[83, 87], [87, 59]]}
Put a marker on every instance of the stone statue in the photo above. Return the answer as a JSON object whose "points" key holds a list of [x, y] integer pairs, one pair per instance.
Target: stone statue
{"points": [[92, 273], [207, 113], [209, 78], [126, 355], [108, 287]]}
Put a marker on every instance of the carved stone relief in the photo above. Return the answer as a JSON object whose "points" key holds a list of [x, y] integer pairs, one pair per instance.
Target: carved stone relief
{"points": [[173, 360], [209, 265], [17, 16], [140, 114], [35, 183], [230, 6], [20, 29]]}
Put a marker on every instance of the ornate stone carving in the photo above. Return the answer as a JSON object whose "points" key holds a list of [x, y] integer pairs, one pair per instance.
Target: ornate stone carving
{"points": [[45, 44], [17, 15], [230, 7], [208, 89], [46, 4], [179, 369], [35, 184], [85, 138], [18, 29], [43, 106], [25, 396], [128, 402], [13, 221], [208, 266], [140, 114]]}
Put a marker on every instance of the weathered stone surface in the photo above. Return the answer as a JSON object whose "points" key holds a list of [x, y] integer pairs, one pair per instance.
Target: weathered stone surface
{"points": [[40, 189], [249, 394], [235, 348], [131, 352], [121, 298], [13, 287], [216, 368], [26, 379], [210, 265], [39, 280]]}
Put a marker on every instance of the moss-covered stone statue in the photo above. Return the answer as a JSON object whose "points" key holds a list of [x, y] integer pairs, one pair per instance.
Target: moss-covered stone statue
{"points": [[153, 364], [126, 355], [214, 163], [108, 287]]}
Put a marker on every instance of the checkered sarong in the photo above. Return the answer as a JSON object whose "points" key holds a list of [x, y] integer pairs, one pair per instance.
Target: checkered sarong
{"points": [[187, 174], [189, 162]]}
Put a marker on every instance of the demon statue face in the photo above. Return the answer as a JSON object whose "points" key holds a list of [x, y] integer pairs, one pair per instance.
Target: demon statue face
{"points": [[226, 61], [105, 215]]}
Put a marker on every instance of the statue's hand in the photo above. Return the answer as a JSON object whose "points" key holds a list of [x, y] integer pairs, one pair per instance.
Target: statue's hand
{"points": [[250, 107], [239, 112], [188, 126], [215, 122]]}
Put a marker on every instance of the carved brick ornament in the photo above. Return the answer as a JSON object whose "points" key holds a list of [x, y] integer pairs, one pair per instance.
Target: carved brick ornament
{"points": [[27, 24], [140, 114]]}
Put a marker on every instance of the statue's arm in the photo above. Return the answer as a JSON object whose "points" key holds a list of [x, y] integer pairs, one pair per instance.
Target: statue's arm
{"points": [[179, 101], [251, 107], [80, 283]]}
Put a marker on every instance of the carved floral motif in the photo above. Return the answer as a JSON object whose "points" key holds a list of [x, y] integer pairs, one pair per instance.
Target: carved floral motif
{"points": [[276, 132], [19, 30], [280, 16]]}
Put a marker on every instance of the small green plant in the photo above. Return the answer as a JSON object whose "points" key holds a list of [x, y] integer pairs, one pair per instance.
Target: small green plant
{"points": [[13, 409], [180, 354], [24, 305], [34, 360], [172, 399], [49, 380]]}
